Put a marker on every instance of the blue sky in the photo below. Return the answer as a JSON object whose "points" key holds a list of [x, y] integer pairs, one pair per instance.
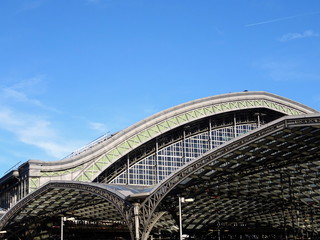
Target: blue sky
{"points": [[71, 71]]}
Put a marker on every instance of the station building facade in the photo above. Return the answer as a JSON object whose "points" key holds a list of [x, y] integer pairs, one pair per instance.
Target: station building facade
{"points": [[249, 161]]}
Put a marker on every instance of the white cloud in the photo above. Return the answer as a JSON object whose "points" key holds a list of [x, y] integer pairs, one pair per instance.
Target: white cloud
{"points": [[33, 130], [29, 86], [100, 127], [19, 96], [293, 36], [7, 121], [20, 92], [27, 119]]}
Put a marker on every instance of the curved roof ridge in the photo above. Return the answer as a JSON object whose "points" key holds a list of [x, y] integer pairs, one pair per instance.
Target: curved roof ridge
{"points": [[98, 150], [227, 97], [219, 99]]}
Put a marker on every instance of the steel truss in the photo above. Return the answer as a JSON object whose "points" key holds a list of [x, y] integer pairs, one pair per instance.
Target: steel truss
{"points": [[270, 175], [27, 206], [301, 134]]}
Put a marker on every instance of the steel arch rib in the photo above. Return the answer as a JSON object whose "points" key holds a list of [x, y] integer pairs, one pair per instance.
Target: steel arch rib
{"points": [[110, 195], [171, 118], [149, 205]]}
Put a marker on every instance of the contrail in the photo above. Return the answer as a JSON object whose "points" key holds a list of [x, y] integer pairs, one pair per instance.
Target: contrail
{"points": [[280, 19]]}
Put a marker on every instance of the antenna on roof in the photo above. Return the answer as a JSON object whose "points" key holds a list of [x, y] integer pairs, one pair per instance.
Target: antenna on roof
{"points": [[11, 168]]}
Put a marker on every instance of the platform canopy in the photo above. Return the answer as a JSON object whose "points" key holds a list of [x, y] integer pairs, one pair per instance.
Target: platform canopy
{"points": [[85, 202], [267, 178], [266, 181]]}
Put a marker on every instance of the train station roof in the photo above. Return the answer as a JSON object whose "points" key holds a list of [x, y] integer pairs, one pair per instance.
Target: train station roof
{"points": [[268, 176]]}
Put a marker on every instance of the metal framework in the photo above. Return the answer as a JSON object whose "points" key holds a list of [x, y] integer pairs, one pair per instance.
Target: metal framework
{"points": [[94, 202], [180, 115], [255, 178], [107, 157], [269, 176], [88, 163], [164, 154], [264, 180]]}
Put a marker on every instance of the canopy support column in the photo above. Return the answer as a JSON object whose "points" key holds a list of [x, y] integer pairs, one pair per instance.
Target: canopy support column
{"points": [[136, 211]]}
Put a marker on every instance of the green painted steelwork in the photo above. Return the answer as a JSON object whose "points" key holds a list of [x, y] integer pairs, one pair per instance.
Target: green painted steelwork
{"points": [[95, 168], [34, 183]]}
